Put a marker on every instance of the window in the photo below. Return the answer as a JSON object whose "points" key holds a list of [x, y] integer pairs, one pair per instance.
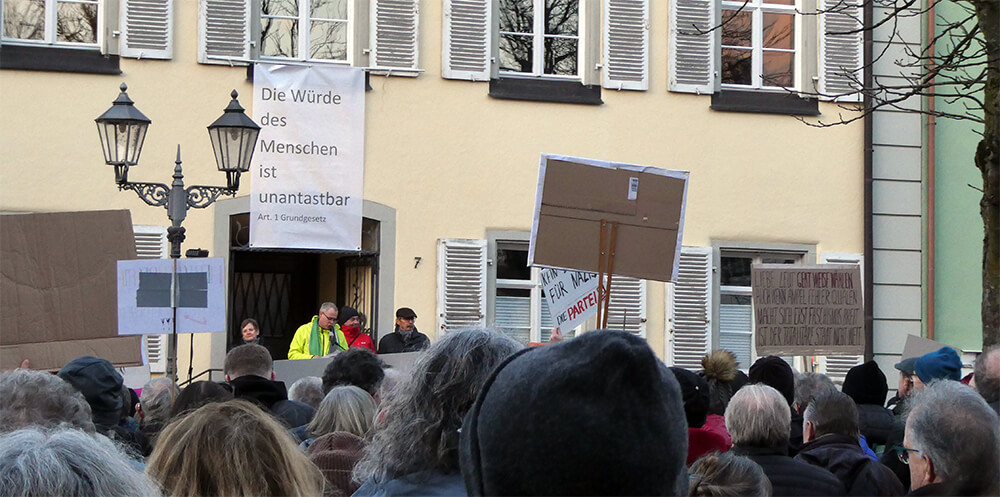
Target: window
{"points": [[758, 44], [379, 35], [767, 49], [539, 37], [519, 304], [69, 23], [304, 29], [547, 49]]}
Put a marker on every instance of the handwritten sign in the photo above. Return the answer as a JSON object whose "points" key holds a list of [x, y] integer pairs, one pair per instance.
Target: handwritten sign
{"points": [[808, 310], [307, 176], [145, 288], [571, 295]]}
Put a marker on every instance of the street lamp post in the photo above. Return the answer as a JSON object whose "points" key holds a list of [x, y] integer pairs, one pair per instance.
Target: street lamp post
{"points": [[122, 129]]}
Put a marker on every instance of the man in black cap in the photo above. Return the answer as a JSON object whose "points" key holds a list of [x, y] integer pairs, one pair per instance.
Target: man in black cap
{"points": [[898, 405], [405, 337]]}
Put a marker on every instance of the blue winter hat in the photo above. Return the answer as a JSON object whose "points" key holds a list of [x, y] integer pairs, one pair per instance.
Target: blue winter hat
{"points": [[943, 363]]}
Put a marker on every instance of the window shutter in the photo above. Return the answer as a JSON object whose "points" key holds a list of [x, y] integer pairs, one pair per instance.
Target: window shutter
{"points": [[147, 29], [461, 284], [627, 309], [394, 34], [151, 243], [465, 47], [694, 46], [841, 50], [836, 367], [689, 308], [224, 31], [626, 45]]}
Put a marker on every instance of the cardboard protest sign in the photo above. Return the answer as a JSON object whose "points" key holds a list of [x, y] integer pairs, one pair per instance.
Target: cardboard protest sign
{"points": [[808, 310], [571, 295], [57, 289], [916, 346], [144, 296], [575, 194]]}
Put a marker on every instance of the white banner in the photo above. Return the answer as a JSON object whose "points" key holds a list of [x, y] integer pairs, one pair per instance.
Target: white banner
{"points": [[147, 289], [572, 296], [308, 169]]}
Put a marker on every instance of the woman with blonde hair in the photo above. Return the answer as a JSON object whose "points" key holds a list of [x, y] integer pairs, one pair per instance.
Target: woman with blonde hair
{"points": [[345, 408], [231, 448], [344, 418]]}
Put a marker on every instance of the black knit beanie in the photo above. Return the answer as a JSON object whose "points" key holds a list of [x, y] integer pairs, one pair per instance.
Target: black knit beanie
{"points": [[774, 372], [694, 391], [595, 415], [866, 384], [346, 312]]}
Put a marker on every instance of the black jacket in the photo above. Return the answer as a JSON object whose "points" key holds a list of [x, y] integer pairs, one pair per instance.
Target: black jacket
{"points": [[790, 477], [842, 456], [890, 457], [795, 435], [273, 396], [397, 342], [876, 422]]}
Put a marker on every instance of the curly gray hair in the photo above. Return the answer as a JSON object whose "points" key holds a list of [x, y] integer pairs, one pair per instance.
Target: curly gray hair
{"points": [[37, 398], [419, 429]]}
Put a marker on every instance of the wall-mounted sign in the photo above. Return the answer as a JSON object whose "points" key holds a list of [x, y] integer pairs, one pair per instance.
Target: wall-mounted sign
{"points": [[808, 310], [308, 169]]}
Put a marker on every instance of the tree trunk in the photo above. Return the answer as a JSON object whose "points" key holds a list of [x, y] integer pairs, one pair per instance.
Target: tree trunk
{"points": [[988, 162]]}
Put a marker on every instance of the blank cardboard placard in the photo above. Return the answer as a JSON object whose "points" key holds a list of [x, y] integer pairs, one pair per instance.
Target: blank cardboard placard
{"points": [[57, 288], [575, 194]]}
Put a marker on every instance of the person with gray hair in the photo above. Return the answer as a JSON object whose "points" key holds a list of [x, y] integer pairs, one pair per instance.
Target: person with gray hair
{"points": [[157, 398], [807, 387], [758, 417], [67, 462], [307, 390], [320, 336], [952, 442], [414, 450], [726, 475], [36, 398], [987, 376], [831, 442]]}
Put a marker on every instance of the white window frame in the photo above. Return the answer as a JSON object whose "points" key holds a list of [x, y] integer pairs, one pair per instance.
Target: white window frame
{"points": [[804, 253], [496, 241], [538, 44], [49, 39], [757, 8], [304, 19]]}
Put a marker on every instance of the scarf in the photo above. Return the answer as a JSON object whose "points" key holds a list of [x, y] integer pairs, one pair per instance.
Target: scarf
{"points": [[315, 342]]}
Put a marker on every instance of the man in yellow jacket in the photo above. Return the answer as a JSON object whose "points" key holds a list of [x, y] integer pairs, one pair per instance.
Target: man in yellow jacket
{"points": [[313, 338]]}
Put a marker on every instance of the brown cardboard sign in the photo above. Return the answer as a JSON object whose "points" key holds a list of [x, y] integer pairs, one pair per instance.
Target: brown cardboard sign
{"points": [[808, 310], [575, 194], [58, 297]]}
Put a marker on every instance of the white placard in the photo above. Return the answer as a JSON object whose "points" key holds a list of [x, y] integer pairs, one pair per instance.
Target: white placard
{"points": [[308, 168], [144, 288], [571, 295]]}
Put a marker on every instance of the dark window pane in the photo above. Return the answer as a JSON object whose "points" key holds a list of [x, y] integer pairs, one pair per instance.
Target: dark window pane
{"points": [[516, 53], [737, 67], [726, 298], [735, 271], [512, 264], [514, 292], [737, 28], [777, 260], [517, 16], [779, 69], [24, 19], [560, 56], [562, 17], [779, 31]]}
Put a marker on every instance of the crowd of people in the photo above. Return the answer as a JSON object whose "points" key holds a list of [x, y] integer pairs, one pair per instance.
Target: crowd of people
{"points": [[480, 414]]}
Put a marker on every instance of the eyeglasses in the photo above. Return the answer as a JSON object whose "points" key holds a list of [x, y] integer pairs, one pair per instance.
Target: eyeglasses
{"points": [[411, 318], [904, 453], [329, 318]]}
